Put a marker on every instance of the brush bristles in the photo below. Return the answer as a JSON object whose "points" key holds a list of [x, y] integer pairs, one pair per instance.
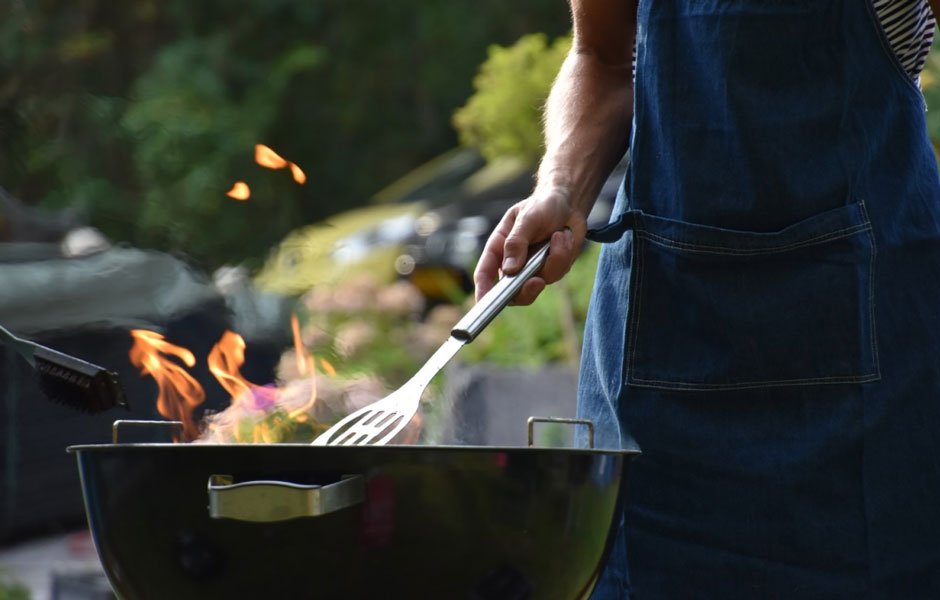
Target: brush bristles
{"points": [[91, 393]]}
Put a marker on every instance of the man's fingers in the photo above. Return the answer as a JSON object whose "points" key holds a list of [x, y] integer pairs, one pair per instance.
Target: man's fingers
{"points": [[525, 231], [485, 273], [525, 224], [487, 269], [561, 255], [516, 252], [562, 252], [529, 292]]}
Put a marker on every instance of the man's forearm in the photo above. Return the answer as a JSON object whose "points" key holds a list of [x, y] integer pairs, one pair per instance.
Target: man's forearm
{"points": [[588, 113], [587, 126]]}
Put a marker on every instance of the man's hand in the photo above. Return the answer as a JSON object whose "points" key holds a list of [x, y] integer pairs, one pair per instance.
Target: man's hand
{"points": [[544, 215], [587, 128]]}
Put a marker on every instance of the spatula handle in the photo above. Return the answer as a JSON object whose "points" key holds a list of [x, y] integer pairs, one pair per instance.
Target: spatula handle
{"points": [[495, 300]]}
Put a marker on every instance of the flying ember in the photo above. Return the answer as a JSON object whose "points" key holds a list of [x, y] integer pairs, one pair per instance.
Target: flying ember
{"points": [[268, 158], [239, 191]]}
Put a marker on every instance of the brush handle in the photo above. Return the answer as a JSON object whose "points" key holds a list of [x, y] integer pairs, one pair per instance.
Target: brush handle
{"points": [[34, 352], [24, 348], [66, 361]]}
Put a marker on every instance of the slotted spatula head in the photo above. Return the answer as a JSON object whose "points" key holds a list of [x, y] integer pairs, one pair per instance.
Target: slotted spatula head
{"points": [[378, 423]]}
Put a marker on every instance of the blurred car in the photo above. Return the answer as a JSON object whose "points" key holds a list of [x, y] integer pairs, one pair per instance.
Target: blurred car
{"points": [[448, 238], [369, 238]]}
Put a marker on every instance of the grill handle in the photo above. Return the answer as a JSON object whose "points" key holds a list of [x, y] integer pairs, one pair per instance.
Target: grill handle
{"points": [[270, 501], [125, 424], [586, 422]]}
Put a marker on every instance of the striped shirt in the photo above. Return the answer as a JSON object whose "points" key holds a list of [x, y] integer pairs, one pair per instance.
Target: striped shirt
{"points": [[908, 26]]}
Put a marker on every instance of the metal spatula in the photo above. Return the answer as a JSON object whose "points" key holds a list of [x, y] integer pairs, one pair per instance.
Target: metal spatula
{"points": [[381, 421]]}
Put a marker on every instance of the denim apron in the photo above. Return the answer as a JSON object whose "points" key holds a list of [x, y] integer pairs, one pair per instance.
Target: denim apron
{"points": [[765, 325]]}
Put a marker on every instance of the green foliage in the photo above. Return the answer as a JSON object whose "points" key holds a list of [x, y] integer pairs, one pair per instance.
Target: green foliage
{"points": [[12, 590], [195, 137], [503, 117], [930, 84], [141, 114]]}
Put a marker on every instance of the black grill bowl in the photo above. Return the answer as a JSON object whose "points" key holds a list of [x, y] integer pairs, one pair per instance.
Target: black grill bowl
{"points": [[436, 522]]}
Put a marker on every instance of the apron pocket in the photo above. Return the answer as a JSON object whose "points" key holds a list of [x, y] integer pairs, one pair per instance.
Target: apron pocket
{"points": [[714, 309]]}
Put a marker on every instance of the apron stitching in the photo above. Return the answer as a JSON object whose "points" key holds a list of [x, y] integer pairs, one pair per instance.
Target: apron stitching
{"points": [[871, 293], [704, 249], [634, 325], [639, 106], [691, 385], [606, 386]]}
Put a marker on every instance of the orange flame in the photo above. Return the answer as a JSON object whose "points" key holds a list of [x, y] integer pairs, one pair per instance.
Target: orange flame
{"points": [[225, 361], [239, 191], [298, 175], [305, 365], [268, 158], [179, 394], [328, 368], [299, 351], [257, 414]]}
